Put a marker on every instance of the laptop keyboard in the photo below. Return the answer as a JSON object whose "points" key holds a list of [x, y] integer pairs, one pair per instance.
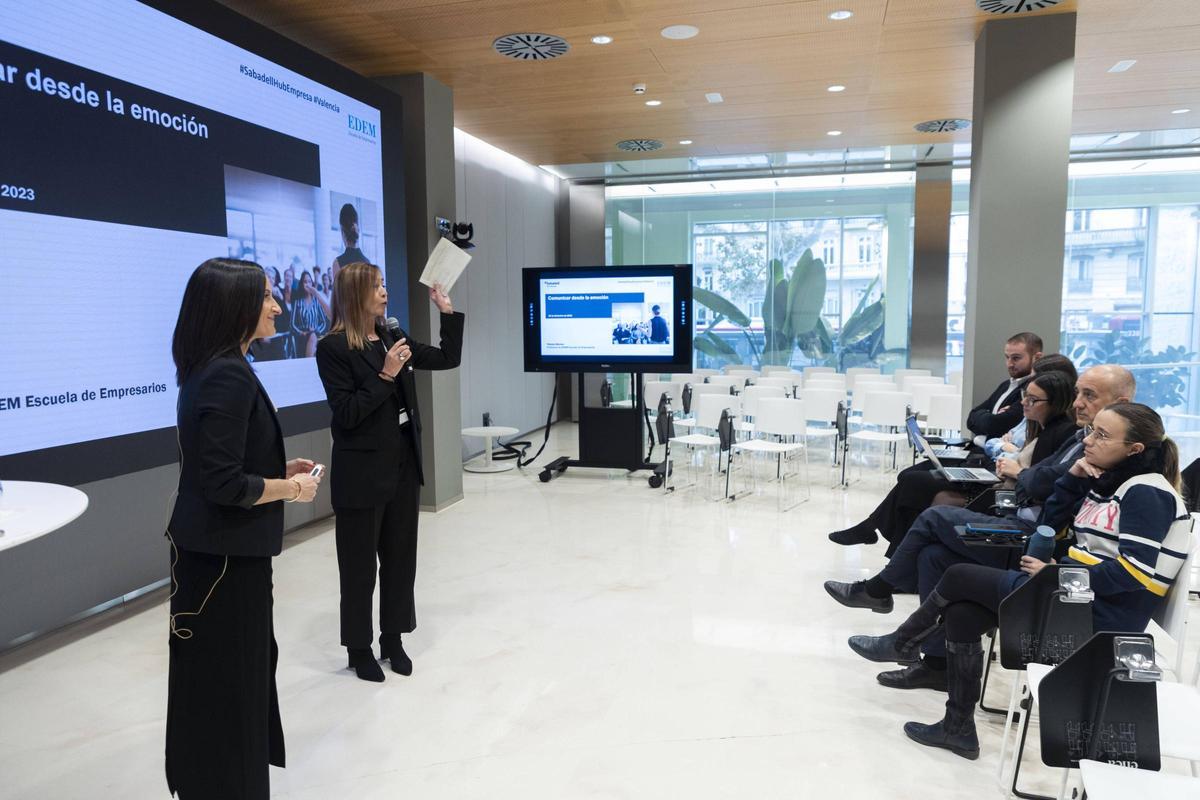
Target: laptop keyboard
{"points": [[959, 473]]}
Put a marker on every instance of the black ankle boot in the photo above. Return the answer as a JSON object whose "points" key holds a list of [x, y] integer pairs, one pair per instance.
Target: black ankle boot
{"points": [[956, 731], [862, 533], [903, 646], [393, 650], [362, 661]]}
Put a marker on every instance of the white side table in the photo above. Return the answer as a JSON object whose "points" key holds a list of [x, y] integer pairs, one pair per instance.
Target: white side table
{"points": [[484, 463], [29, 510]]}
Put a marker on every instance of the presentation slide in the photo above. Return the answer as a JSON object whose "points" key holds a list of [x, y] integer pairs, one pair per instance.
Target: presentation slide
{"points": [[133, 147], [607, 316]]}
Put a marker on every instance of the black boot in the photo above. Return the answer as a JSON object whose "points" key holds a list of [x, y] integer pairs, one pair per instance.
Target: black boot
{"points": [[903, 646], [362, 661], [956, 731], [854, 595], [862, 533], [393, 650]]}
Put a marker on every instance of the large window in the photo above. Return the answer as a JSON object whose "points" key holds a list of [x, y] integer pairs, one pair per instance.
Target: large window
{"points": [[746, 243]]}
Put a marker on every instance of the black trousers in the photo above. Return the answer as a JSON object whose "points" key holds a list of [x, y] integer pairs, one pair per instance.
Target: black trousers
{"points": [[915, 488], [974, 593], [223, 726], [383, 539]]}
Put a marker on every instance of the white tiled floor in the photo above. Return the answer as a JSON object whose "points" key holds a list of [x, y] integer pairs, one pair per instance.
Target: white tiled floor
{"points": [[584, 638]]}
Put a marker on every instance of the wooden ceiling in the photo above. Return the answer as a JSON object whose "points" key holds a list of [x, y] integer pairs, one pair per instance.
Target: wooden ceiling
{"points": [[901, 61]]}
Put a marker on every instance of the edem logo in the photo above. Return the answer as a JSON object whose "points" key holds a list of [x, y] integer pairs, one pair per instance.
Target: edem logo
{"points": [[361, 126]]}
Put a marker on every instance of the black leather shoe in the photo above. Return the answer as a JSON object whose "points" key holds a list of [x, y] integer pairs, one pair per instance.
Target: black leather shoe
{"points": [[855, 535], [394, 652], [854, 595], [364, 665], [884, 649], [964, 743], [915, 676]]}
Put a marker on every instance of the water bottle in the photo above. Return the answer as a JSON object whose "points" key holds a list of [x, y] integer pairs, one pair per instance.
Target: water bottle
{"points": [[1041, 544]]}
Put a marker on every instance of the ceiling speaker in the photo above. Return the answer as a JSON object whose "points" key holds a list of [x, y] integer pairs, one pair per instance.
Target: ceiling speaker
{"points": [[531, 46]]}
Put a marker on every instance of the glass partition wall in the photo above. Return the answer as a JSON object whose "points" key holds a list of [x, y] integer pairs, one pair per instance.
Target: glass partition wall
{"points": [[789, 271]]}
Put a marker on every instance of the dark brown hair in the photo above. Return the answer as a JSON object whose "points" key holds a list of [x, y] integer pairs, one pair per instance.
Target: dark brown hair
{"points": [[221, 306], [1032, 342], [1144, 426], [348, 220], [1056, 362], [1060, 394]]}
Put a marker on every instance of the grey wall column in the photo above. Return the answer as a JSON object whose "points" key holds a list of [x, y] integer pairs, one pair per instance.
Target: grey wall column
{"points": [[580, 244], [1020, 149], [429, 192], [931, 268]]}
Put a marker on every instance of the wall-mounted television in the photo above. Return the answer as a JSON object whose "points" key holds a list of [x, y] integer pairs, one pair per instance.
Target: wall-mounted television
{"points": [[608, 319]]}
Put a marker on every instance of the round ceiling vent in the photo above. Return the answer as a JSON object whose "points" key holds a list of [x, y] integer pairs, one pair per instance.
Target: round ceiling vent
{"points": [[639, 145], [531, 46], [1014, 6], [942, 125]]}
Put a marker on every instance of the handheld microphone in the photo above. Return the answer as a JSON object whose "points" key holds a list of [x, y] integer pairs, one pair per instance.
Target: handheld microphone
{"points": [[393, 326]]}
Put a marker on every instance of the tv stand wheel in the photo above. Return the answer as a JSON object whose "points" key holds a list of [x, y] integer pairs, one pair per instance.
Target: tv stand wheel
{"points": [[545, 475], [656, 481]]}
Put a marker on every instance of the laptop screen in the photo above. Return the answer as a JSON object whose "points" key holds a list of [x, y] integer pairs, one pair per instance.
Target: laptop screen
{"points": [[918, 441]]}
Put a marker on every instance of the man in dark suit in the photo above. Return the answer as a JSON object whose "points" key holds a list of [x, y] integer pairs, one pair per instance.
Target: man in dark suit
{"points": [[658, 327], [996, 415]]}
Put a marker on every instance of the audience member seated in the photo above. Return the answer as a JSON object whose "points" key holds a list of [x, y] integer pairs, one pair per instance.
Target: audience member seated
{"points": [[1014, 440], [1132, 532], [1000, 411], [918, 487], [932, 545], [1048, 402]]}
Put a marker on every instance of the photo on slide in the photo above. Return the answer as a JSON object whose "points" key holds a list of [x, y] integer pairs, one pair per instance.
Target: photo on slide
{"points": [[639, 323]]}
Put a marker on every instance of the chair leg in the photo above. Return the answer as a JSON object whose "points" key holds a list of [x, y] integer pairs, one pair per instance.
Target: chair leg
{"points": [[1020, 752], [1018, 682]]}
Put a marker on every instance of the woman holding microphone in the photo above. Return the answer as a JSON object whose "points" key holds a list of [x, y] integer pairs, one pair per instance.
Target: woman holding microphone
{"points": [[223, 723], [368, 376]]}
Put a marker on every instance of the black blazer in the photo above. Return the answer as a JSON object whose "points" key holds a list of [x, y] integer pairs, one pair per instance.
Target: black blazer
{"points": [[982, 422], [229, 442], [366, 431]]}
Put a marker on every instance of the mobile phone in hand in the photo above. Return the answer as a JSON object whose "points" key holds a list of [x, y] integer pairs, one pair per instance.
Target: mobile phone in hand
{"points": [[317, 471]]}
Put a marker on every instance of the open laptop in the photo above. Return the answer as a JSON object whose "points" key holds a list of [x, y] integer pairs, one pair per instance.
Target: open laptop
{"points": [[955, 474]]}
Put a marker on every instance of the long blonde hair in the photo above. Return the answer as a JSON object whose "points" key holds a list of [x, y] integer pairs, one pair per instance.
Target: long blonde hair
{"points": [[353, 291]]}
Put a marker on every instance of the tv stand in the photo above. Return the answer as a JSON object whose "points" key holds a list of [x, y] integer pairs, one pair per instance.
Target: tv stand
{"points": [[609, 437]]}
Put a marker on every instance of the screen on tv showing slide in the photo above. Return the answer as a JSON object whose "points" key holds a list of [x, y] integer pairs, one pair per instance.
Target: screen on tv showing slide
{"points": [[620, 318], [134, 146]]}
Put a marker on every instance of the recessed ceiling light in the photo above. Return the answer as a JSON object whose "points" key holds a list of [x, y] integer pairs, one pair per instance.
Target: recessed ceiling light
{"points": [[833, 133], [654, 102], [679, 31], [714, 97], [685, 141], [1123, 66], [1181, 111], [841, 15], [601, 40], [837, 87]]}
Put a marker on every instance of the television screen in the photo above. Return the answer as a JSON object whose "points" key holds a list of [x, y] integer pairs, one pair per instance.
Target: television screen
{"points": [[135, 144], [602, 319]]}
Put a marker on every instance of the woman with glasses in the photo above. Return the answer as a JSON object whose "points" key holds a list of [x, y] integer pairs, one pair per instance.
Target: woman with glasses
{"points": [[1047, 401], [1132, 532]]}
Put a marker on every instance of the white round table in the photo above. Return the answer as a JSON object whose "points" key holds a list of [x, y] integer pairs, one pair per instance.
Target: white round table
{"points": [[29, 510], [484, 463]]}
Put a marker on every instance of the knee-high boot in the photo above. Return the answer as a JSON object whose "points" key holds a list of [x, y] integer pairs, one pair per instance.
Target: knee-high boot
{"points": [[956, 731], [903, 645]]}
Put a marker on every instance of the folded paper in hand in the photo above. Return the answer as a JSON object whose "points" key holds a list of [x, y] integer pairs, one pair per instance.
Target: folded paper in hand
{"points": [[445, 264]]}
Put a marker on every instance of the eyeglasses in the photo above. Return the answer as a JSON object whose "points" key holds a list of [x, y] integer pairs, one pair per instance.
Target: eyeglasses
{"points": [[1030, 400], [1101, 436]]}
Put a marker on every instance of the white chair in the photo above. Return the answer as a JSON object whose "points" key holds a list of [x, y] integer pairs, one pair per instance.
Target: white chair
{"points": [[750, 399], [807, 371], [867, 382], [730, 369], [785, 421], [955, 378], [652, 392], [788, 384], [905, 372], [907, 382], [773, 371], [737, 381], [886, 411], [699, 389], [923, 395], [826, 378], [702, 373], [1110, 782], [862, 371], [945, 413], [708, 414], [821, 407]]}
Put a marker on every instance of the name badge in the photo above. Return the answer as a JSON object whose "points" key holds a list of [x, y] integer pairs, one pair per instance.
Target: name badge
{"points": [[403, 417]]}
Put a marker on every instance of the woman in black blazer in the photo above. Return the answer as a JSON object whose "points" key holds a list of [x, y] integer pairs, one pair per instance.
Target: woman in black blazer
{"points": [[1047, 401], [223, 723], [376, 471]]}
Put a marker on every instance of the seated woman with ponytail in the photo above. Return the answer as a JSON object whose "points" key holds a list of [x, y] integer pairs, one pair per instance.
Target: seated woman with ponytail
{"points": [[1133, 534]]}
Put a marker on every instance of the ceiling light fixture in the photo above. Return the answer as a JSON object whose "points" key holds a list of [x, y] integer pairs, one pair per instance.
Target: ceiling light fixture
{"points": [[531, 46], [653, 103], [833, 133], [837, 87], [841, 15], [1123, 66], [602, 39], [679, 31], [685, 141], [714, 97], [1181, 111], [1014, 6]]}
